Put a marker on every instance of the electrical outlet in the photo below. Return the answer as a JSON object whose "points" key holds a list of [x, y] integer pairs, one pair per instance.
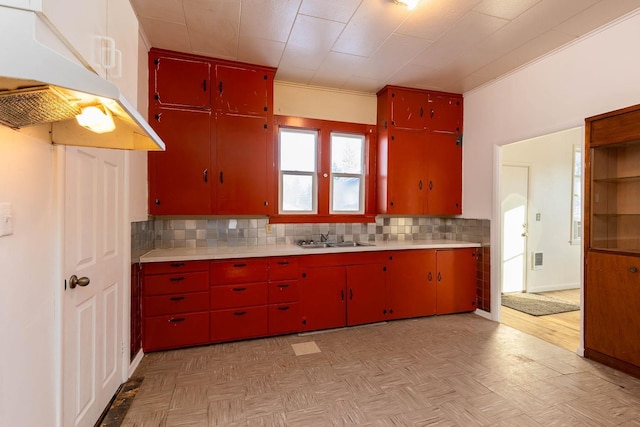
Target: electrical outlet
{"points": [[6, 219], [269, 228]]}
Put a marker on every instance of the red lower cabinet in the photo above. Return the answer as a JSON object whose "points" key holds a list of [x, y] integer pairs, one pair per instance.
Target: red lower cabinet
{"points": [[177, 330], [175, 305], [238, 323], [411, 284], [456, 280], [323, 292], [366, 294], [284, 318]]}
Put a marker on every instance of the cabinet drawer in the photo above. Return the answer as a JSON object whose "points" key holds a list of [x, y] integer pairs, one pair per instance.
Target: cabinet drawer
{"points": [[239, 323], [284, 318], [174, 267], [182, 330], [176, 283], [177, 303], [240, 295], [239, 271], [285, 291], [283, 268]]}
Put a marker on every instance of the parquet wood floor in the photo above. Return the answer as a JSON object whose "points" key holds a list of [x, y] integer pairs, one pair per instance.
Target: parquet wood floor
{"points": [[457, 370]]}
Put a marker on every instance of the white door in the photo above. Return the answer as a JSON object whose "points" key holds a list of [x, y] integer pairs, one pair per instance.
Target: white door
{"points": [[514, 187], [92, 313]]}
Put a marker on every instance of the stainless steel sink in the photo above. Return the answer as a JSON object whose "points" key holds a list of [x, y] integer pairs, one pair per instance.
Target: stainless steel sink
{"points": [[321, 245], [350, 244]]}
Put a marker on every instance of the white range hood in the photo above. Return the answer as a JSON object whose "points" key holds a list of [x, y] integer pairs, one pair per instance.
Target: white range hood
{"points": [[39, 85]]}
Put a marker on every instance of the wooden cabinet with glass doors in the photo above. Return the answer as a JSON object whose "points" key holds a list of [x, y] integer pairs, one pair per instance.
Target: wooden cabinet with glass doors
{"points": [[612, 233]]}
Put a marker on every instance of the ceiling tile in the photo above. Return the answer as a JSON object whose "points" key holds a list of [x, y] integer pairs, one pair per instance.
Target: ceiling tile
{"points": [[335, 10], [507, 9], [294, 75], [431, 18], [165, 10], [213, 27], [167, 35], [463, 35], [260, 51], [370, 26], [348, 65], [596, 16], [396, 51], [268, 19], [310, 41]]}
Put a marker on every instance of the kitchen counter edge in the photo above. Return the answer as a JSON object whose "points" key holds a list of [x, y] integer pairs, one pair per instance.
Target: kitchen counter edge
{"points": [[215, 253]]}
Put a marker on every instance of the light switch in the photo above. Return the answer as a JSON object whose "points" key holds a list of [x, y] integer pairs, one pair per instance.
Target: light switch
{"points": [[6, 219]]}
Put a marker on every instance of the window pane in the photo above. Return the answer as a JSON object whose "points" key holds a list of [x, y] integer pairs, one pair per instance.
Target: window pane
{"points": [[297, 193], [346, 194], [298, 150], [346, 153]]}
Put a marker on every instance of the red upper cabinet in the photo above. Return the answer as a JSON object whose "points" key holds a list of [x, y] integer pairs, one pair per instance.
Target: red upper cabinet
{"points": [[243, 175], [419, 152], [444, 113], [180, 82], [244, 90], [444, 159], [406, 108], [180, 177]]}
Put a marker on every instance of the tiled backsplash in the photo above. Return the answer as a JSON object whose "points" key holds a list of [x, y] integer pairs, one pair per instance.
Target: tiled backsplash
{"points": [[180, 233], [142, 239]]}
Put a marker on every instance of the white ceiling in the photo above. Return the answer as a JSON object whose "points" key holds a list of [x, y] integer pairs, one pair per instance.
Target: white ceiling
{"points": [[363, 45]]}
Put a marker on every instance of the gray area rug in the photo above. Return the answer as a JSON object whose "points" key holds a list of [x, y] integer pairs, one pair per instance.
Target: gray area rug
{"points": [[537, 305]]}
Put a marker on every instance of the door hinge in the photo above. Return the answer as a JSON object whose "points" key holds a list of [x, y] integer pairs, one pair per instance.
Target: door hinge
{"points": [[459, 140]]}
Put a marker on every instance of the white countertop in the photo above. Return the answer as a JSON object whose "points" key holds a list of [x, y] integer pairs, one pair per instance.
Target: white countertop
{"points": [[196, 254]]}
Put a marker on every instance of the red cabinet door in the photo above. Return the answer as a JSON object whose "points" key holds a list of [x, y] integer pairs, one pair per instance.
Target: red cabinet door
{"points": [[407, 176], [238, 295], [408, 109], [244, 90], [179, 178], [180, 82], [176, 303], [283, 268], [323, 297], [284, 291], [411, 284], [243, 158], [240, 270], [444, 113], [366, 293], [165, 284], [444, 163], [456, 280]]}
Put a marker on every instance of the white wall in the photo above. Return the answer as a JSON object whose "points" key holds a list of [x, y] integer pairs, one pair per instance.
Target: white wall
{"points": [[594, 75], [28, 272], [323, 103], [550, 162]]}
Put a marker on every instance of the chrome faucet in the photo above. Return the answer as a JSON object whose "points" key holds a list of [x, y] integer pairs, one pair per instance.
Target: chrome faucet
{"points": [[324, 237]]}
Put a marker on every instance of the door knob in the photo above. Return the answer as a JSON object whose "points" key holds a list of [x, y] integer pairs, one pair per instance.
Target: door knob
{"points": [[74, 281], [525, 234]]}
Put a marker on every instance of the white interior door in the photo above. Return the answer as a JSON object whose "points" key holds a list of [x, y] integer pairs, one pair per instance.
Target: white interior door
{"points": [[92, 313], [514, 186]]}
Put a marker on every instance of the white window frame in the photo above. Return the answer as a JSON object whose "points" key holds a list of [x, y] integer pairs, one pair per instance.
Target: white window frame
{"points": [[313, 174], [361, 175]]}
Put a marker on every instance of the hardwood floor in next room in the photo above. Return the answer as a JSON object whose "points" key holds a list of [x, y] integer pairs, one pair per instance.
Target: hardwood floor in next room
{"points": [[561, 329], [455, 370]]}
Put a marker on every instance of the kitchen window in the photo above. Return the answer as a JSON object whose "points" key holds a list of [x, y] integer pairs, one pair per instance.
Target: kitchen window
{"points": [[324, 171]]}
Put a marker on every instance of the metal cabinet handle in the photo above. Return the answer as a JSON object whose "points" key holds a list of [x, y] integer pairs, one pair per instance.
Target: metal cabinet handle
{"points": [[633, 269], [177, 264], [205, 175], [176, 298], [176, 279], [177, 319], [239, 289], [283, 308]]}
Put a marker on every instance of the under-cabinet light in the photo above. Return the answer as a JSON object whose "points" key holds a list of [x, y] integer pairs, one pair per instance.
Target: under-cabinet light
{"points": [[96, 120]]}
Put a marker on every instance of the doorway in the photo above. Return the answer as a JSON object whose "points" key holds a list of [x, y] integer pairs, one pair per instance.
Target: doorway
{"points": [[539, 250]]}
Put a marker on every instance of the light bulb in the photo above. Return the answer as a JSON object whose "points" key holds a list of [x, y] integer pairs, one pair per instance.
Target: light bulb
{"points": [[96, 120]]}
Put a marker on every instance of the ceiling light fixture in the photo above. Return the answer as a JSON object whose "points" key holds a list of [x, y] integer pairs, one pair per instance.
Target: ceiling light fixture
{"points": [[96, 120], [411, 4]]}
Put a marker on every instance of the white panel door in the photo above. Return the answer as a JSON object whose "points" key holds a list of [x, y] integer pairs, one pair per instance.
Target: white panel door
{"points": [[514, 185], [92, 312]]}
